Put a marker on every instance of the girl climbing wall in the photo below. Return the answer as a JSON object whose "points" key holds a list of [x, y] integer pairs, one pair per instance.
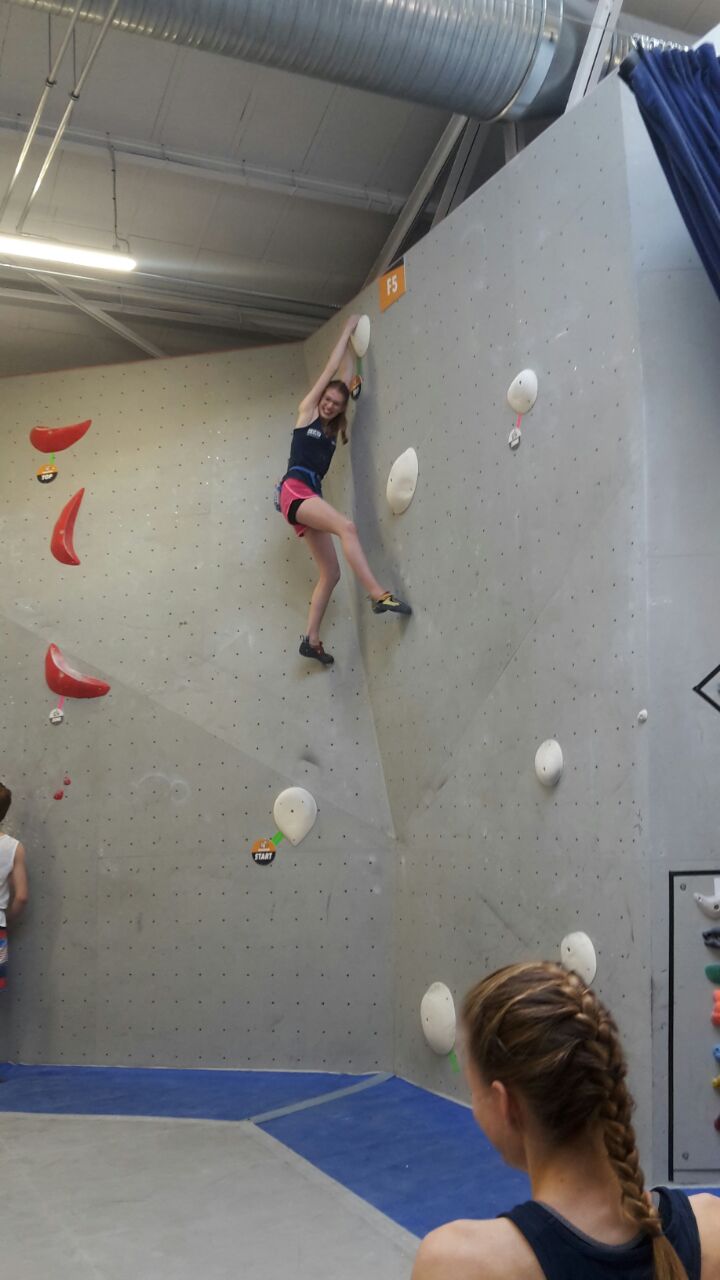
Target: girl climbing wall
{"points": [[321, 418]]}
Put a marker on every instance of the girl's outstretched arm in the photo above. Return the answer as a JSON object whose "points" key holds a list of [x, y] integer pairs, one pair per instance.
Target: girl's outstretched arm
{"points": [[346, 368], [335, 359]]}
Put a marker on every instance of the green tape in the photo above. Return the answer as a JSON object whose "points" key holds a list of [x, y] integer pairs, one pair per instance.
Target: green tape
{"points": [[453, 1061], [278, 837]]}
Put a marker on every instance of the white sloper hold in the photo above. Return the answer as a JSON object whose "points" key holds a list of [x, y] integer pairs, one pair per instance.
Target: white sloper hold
{"points": [[402, 481], [437, 1016], [360, 337], [522, 392], [549, 762], [709, 904], [295, 812], [577, 954]]}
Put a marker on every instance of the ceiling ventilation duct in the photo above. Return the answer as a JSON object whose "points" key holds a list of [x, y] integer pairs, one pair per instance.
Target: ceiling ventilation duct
{"points": [[489, 59]]}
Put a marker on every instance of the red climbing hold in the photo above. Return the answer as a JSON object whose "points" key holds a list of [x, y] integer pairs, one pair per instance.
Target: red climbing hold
{"points": [[61, 543], [58, 795], [67, 781], [65, 681], [55, 439]]}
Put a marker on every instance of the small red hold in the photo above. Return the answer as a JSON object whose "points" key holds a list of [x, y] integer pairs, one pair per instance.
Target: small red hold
{"points": [[68, 683], [61, 543], [67, 781], [58, 795]]}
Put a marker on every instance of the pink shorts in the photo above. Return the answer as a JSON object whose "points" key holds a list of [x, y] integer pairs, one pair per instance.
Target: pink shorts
{"points": [[294, 490]]}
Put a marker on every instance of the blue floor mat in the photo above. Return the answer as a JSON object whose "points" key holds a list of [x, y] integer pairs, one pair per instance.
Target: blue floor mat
{"points": [[131, 1091], [418, 1158]]}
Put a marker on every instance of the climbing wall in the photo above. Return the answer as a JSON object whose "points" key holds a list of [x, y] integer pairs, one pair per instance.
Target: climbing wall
{"points": [[528, 577], [153, 937], [679, 326]]}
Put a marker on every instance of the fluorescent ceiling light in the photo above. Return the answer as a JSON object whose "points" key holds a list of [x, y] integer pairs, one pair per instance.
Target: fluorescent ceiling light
{"points": [[70, 254]]}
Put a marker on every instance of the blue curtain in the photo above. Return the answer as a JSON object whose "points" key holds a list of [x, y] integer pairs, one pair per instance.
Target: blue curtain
{"points": [[678, 93]]}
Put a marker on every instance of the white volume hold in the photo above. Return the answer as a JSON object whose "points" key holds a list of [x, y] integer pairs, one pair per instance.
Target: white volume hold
{"points": [[437, 1017], [402, 481], [522, 392], [577, 954], [360, 337], [295, 812], [549, 762]]}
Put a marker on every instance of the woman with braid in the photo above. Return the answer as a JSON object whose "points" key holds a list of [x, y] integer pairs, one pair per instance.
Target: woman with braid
{"points": [[547, 1075]]}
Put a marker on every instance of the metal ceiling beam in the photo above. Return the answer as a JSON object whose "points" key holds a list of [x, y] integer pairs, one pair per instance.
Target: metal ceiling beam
{"points": [[227, 170], [463, 168], [286, 326], [513, 138], [181, 290], [168, 299], [415, 201], [96, 313], [597, 45]]}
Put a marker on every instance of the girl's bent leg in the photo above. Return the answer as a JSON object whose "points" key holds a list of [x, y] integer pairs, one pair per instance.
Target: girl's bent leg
{"points": [[317, 514]]}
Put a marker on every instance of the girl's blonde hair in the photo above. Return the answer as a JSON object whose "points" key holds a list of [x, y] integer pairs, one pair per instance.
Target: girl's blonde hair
{"points": [[539, 1029]]}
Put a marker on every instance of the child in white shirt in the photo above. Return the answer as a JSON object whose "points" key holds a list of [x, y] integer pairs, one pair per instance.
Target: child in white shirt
{"points": [[13, 884]]}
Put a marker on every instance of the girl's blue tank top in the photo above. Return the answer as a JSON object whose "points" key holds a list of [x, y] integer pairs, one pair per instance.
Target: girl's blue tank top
{"points": [[564, 1253], [311, 452]]}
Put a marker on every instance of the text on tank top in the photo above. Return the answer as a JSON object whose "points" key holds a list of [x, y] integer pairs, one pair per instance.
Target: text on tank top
{"points": [[311, 450]]}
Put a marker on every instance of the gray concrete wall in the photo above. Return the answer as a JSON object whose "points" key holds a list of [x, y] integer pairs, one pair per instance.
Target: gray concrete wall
{"points": [[527, 573], [152, 937], [679, 335]]}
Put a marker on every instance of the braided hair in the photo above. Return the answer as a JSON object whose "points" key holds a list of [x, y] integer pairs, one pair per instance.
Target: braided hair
{"points": [[541, 1030]]}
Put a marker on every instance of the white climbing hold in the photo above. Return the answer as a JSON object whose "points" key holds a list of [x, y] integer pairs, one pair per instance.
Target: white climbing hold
{"points": [[549, 762], [522, 392], [402, 481], [437, 1017], [295, 812], [642, 717], [708, 904], [577, 954], [360, 337]]}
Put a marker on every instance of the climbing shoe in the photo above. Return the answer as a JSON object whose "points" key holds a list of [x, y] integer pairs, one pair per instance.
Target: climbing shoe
{"points": [[390, 604], [316, 651]]}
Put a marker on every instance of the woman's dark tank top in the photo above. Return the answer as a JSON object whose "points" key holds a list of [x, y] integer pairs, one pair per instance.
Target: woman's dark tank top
{"points": [[311, 453], [564, 1253]]}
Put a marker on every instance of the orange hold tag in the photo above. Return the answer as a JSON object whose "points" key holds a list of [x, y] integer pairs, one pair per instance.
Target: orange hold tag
{"points": [[47, 473], [392, 285], [263, 852]]}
